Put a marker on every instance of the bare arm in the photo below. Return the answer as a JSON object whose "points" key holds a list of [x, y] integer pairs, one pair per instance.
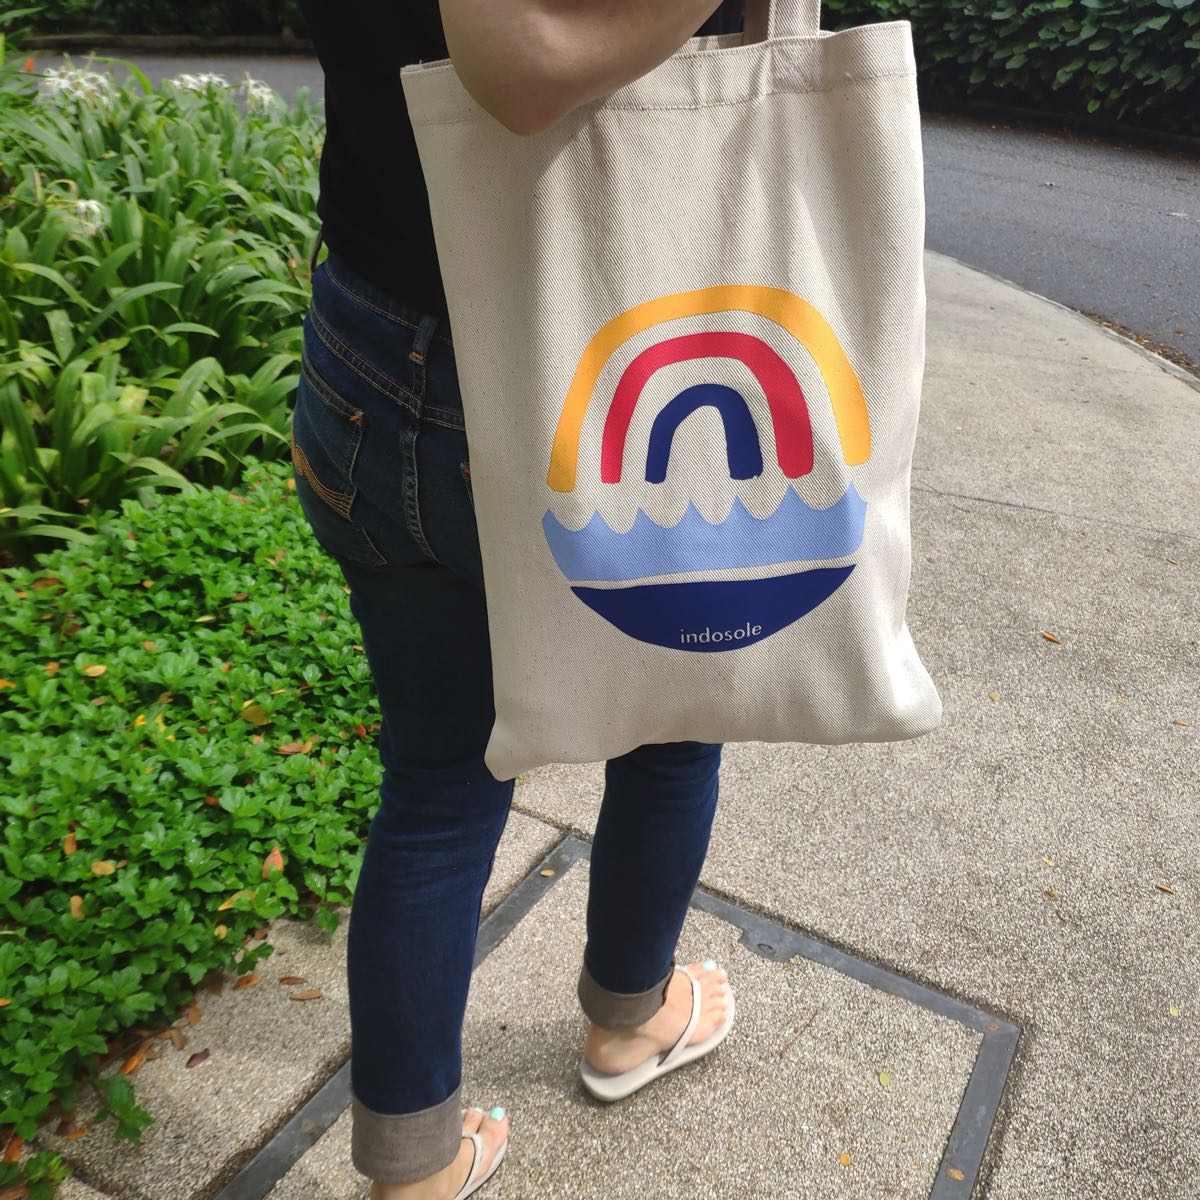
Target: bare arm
{"points": [[531, 62]]}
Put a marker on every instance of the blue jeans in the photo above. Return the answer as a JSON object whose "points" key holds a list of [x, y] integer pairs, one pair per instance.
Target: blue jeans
{"points": [[380, 461]]}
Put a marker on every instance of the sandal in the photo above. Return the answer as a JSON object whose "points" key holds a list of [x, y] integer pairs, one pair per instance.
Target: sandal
{"points": [[472, 1184], [616, 1087]]}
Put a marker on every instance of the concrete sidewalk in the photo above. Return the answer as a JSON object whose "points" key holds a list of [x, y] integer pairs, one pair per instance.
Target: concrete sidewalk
{"points": [[1034, 858]]}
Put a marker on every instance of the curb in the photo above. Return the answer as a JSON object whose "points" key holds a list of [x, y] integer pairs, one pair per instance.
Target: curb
{"points": [[1157, 359], [169, 43], [1136, 135]]}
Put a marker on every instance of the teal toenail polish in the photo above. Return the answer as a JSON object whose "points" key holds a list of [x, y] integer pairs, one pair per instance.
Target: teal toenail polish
{"points": [[496, 1113], [709, 964], [476, 1108]]}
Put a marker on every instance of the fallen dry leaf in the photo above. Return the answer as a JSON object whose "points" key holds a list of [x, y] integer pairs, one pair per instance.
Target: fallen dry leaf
{"points": [[177, 1039], [293, 748], [5, 1001], [78, 1132], [94, 669], [844, 1159], [1051, 894], [273, 862], [292, 980], [69, 843], [102, 866], [956, 1174], [993, 695], [148, 646], [246, 981], [18, 1192], [1047, 860], [254, 713], [132, 1063], [6, 683], [206, 617], [196, 1059], [211, 801], [1180, 721], [308, 994], [77, 907], [220, 931], [547, 871], [1173, 561], [12, 1152], [1165, 887], [240, 596], [1051, 637], [52, 668], [244, 894], [193, 1013]]}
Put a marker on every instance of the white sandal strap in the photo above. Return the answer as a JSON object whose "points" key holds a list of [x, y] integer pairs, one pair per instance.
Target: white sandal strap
{"points": [[681, 1045], [475, 1161]]}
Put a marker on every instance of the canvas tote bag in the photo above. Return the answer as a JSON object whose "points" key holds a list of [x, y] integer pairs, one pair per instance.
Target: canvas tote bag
{"points": [[689, 327]]}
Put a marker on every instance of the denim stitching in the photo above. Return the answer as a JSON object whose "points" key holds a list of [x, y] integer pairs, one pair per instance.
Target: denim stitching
{"points": [[352, 415], [367, 371], [383, 312], [331, 398], [412, 506], [448, 417], [338, 501]]}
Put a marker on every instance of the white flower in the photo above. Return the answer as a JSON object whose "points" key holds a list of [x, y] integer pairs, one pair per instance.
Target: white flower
{"points": [[259, 96], [89, 218], [64, 85], [201, 82]]}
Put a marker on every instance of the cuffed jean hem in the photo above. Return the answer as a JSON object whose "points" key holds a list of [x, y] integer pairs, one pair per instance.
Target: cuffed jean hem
{"points": [[405, 1147], [620, 1010]]}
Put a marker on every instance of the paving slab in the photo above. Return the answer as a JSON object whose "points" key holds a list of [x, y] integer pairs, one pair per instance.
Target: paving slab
{"points": [[267, 1055], [771, 1112], [73, 1189], [1026, 402]]}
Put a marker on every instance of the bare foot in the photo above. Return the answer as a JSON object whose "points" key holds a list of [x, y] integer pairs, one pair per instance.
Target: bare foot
{"points": [[448, 1182], [615, 1050]]}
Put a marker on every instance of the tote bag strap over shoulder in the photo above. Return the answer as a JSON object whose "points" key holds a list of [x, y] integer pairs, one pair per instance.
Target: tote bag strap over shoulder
{"points": [[781, 19]]}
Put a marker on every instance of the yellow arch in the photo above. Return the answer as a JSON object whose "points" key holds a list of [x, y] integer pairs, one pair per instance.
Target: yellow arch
{"points": [[785, 308]]}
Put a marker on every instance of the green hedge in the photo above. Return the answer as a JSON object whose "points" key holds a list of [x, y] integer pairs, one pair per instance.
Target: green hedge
{"points": [[153, 279], [177, 699], [1125, 60], [213, 17]]}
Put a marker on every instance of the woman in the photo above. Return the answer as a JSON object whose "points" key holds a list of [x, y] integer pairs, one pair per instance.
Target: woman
{"points": [[383, 476]]}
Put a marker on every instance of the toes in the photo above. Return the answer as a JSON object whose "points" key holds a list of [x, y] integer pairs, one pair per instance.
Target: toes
{"points": [[472, 1120], [494, 1130]]}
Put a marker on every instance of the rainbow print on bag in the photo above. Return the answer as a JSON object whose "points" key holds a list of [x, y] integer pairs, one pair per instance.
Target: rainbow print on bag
{"points": [[608, 570]]}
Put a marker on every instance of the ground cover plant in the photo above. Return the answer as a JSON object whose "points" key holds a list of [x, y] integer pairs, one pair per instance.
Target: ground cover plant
{"points": [[187, 734], [153, 279]]}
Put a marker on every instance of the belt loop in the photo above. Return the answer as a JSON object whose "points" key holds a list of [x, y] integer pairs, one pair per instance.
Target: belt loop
{"points": [[420, 351], [312, 262]]}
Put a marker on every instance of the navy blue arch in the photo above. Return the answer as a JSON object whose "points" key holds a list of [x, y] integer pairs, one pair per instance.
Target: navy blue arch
{"points": [[741, 435]]}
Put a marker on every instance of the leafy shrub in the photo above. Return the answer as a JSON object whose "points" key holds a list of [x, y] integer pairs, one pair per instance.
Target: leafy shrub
{"points": [[178, 699], [153, 280], [171, 16], [1123, 59]]}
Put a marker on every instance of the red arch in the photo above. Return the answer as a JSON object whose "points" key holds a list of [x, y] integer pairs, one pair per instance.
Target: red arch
{"points": [[789, 412]]}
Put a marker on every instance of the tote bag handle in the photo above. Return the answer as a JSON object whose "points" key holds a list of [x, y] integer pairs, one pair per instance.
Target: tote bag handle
{"points": [[766, 19]]}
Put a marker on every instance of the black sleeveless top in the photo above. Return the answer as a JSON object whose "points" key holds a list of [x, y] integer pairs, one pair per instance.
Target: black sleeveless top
{"points": [[373, 205]]}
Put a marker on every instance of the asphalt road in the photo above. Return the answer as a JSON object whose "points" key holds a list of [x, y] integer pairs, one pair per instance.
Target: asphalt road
{"points": [[1111, 230]]}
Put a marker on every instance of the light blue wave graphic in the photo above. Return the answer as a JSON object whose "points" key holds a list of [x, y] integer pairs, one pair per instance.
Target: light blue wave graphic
{"points": [[794, 532]]}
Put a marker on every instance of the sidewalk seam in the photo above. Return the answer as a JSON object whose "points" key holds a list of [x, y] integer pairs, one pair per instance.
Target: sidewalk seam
{"points": [[1157, 359], [1053, 512]]}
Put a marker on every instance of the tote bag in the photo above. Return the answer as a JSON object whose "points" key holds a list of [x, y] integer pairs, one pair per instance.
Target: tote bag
{"points": [[689, 327]]}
